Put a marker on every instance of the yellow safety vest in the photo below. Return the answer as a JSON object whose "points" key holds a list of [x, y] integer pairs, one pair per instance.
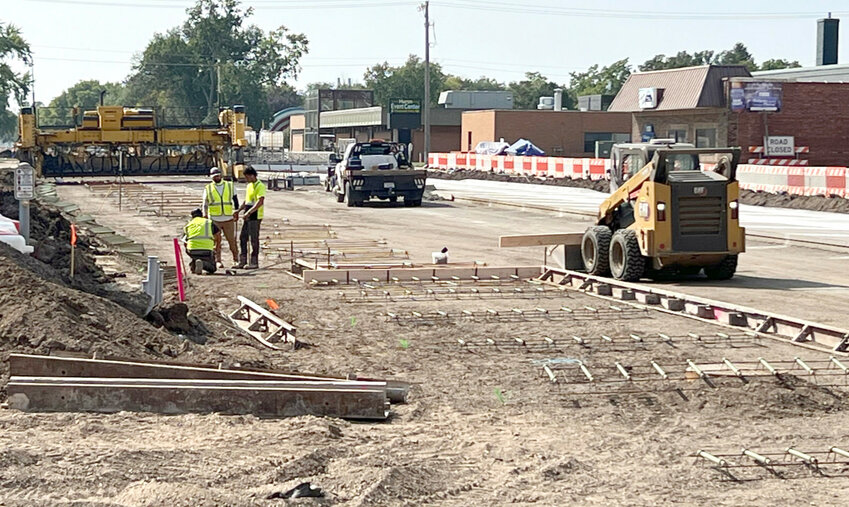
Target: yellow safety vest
{"points": [[253, 192], [199, 234], [220, 204]]}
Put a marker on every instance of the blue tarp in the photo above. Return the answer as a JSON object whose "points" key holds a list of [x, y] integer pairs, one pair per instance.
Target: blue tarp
{"points": [[525, 147]]}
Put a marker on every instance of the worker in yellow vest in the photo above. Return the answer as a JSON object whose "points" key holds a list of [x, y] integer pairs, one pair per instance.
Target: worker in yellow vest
{"points": [[254, 207], [200, 243], [220, 204]]}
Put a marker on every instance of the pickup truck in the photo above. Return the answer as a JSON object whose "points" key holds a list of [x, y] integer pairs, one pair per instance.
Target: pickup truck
{"points": [[376, 169]]}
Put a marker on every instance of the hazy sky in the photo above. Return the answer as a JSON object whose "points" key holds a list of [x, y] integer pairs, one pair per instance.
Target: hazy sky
{"points": [[96, 39]]}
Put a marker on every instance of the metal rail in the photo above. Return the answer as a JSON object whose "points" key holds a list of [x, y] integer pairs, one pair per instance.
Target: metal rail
{"points": [[780, 327]]}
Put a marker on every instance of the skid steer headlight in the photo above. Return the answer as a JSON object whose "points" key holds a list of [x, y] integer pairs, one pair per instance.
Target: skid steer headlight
{"points": [[735, 208], [661, 212]]}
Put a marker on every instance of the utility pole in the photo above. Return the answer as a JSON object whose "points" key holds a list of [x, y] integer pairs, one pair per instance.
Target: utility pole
{"points": [[426, 105]]}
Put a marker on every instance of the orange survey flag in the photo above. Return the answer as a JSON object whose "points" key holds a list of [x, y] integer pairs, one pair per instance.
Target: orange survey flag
{"points": [[73, 234]]}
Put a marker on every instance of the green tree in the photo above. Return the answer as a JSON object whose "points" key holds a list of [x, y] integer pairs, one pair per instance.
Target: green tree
{"points": [[67, 108], [526, 93], [780, 63], [606, 81], [216, 50], [404, 81], [682, 59], [14, 86], [737, 55]]}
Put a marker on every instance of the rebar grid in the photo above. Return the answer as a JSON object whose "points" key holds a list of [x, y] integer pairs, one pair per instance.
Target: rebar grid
{"points": [[814, 461], [436, 317]]}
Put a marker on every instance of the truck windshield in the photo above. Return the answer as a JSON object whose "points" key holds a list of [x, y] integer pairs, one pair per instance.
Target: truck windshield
{"points": [[375, 149]]}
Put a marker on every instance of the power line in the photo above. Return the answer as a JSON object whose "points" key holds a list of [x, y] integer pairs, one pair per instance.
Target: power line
{"points": [[494, 6], [276, 5]]}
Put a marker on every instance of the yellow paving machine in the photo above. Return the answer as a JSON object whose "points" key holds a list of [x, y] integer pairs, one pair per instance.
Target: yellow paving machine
{"points": [[673, 210], [113, 140]]}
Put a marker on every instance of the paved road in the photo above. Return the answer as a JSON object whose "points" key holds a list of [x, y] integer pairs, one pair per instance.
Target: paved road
{"points": [[802, 282], [782, 222]]}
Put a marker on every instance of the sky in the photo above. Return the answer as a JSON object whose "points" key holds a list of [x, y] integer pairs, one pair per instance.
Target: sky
{"points": [[73, 40]]}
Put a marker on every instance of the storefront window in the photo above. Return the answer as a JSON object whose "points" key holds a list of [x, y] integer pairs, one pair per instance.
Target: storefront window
{"points": [[705, 138], [680, 135]]}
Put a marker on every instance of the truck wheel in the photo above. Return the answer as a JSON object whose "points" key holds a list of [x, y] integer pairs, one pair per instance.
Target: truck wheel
{"points": [[393, 199], [724, 270], [626, 261], [350, 198], [340, 197], [416, 202], [594, 247]]}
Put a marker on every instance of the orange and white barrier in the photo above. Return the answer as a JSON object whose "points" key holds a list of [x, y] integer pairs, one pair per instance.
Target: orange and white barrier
{"points": [[796, 180]]}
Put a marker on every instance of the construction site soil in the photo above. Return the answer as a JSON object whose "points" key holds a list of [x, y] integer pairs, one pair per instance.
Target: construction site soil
{"points": [[483, 424], [835, 204]]}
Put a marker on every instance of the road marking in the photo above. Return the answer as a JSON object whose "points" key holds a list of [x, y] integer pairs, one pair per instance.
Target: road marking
{"points": [[769, 247]]}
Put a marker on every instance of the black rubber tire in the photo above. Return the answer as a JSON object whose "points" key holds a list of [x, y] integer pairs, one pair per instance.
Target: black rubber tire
{"points": [[416, 203], [350, 198], [626, 261], [724, 270], [393, 199], [594, 250], [340, 197]]}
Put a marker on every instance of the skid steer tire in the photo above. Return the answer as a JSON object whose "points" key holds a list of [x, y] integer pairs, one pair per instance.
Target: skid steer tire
{"points": [[594, 249], [340, 197], [724, 270], [626, 261]]}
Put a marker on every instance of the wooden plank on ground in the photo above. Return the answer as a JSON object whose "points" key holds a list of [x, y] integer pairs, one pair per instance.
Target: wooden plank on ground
{"points": [[170, 399], [568, 238], [58, 366]]}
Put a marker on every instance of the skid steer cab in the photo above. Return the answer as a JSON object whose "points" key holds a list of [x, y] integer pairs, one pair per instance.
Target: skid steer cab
{"points": [[673, 210]]}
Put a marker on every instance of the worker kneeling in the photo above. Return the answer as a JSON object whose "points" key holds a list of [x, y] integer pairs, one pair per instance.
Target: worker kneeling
{"points": [[200, 243]]}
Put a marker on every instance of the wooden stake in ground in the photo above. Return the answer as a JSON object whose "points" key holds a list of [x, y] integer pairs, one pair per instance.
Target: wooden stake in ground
{"points": [[73, 247]]}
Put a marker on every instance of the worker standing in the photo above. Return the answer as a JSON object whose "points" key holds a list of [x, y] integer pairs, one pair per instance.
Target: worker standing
{"points": [[221, 205], [254, 205], [200, 245]]}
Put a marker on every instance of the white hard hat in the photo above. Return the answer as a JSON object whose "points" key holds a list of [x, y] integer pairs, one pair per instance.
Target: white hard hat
{"points": [[214, 170]]}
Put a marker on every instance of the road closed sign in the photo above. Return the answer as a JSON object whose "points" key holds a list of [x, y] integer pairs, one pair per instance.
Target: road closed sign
{"points": [[779, 146]]}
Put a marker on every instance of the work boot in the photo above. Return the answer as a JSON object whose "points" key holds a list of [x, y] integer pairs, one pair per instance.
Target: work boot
{"points": [[252, 266], [197, 267], [239, 265]]}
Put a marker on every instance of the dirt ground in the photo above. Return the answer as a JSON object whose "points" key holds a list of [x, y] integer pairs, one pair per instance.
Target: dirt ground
{"points": [[833, 204], [483, 424]]}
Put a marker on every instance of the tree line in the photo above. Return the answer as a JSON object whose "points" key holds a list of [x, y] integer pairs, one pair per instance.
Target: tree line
{"points": [[216, 57]]}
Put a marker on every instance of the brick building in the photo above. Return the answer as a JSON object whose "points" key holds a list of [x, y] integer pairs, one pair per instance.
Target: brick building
{"points": [[558, 133], [813, 113], [687, 104]]}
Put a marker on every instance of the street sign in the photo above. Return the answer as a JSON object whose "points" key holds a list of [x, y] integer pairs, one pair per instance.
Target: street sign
{"points": [[24, 182], [779, 146]]}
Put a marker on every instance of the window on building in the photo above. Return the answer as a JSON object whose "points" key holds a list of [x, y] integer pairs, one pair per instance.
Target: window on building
{"points": [[590, 139], [680, 135], [705, 138]]}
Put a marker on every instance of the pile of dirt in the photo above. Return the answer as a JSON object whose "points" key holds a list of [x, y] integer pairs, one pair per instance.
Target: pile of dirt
{"points": [[40, 314], [834, 204], [468, 174]]}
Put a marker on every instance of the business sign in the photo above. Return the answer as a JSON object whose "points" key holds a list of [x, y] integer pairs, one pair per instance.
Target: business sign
{"points": [[648, 98], [24, 182], [779, 146], [755, 96], [405, 114], [405, 106]]}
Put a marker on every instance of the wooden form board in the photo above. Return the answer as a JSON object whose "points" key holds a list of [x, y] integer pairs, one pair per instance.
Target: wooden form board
{"points": [[568, 238], [58, 366], [348, 276]]}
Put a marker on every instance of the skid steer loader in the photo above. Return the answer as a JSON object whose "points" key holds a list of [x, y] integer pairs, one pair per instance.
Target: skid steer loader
{"points": [[673, 210]]}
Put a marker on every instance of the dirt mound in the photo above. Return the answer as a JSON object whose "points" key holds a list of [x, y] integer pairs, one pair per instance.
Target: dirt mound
{"points": [[40, 315], [834, 204], [466, 174]]}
